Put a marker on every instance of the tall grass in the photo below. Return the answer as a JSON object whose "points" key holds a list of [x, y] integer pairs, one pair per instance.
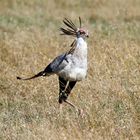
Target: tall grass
{"points": [[110, 95]]}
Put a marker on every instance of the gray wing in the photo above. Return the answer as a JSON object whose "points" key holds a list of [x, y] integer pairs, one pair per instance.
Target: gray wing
{"points": [[57, 64]]}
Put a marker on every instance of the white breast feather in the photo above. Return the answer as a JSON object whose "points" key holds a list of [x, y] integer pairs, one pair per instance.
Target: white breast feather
{"points": [[76, 68]]}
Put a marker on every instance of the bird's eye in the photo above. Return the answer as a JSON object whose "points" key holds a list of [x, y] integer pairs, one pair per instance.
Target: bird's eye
{"points": [[82, 32]]}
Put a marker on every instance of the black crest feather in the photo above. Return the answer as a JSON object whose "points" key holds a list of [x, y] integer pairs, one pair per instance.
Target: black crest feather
{"points": [[71, 28]]}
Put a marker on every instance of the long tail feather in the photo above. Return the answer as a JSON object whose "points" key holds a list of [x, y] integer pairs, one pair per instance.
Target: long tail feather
{"points": [[35, 76]]}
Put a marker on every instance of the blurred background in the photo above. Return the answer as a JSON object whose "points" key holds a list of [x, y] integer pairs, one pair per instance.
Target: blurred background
{"points": [[110, 95]]}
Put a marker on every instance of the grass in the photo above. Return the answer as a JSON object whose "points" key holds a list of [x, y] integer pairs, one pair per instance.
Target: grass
{"points": [[109, 96]]}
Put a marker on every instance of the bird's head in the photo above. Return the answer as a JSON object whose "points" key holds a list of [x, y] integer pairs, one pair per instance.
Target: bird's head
{"points": [[72, 30]]}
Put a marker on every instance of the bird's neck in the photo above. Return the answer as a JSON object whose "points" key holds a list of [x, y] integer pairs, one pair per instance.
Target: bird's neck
{"points": [[80, 41], [81, 48]]}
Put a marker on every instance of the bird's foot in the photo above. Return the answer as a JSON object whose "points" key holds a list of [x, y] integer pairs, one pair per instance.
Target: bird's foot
{"points": [[80, 112]]}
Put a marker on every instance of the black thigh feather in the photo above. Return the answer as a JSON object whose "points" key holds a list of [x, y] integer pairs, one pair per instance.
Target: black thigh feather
{"points": [[63, 90]]}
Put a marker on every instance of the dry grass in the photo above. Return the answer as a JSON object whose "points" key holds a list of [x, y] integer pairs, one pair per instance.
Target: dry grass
{"points": [[110, 96]]}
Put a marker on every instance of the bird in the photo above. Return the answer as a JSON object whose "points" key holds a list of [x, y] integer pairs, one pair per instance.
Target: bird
{"points": [[71, 66]]}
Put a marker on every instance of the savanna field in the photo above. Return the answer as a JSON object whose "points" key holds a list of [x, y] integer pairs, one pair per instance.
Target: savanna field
{"points": [[109, 96]]}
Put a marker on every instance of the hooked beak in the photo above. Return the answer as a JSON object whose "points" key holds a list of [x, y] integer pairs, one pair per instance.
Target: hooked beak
{"points": [[87, 35]]}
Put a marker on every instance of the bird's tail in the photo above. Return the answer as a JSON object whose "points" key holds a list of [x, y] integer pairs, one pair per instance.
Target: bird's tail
{"points": [[42, 73]]}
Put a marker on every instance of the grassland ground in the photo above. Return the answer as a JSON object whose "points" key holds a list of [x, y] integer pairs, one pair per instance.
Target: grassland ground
{"points": [[109, 96]]}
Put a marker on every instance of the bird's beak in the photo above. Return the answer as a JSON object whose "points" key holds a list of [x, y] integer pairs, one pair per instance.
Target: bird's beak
{"points": [[87, 35]]}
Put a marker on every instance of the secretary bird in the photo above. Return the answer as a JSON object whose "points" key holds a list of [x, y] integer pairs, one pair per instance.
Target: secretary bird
{"points": [[70, 66]]}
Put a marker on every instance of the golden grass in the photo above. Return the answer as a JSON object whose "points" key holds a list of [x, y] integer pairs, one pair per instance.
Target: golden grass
{"points": [[110, 96]]}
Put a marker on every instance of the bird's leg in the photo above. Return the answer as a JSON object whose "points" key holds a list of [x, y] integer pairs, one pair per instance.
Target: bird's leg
{"points": [[62, 88], [80, 111], [63, 95], [63, 92], [66, 87], [60, 108], [67, 92], [71, 104]]}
